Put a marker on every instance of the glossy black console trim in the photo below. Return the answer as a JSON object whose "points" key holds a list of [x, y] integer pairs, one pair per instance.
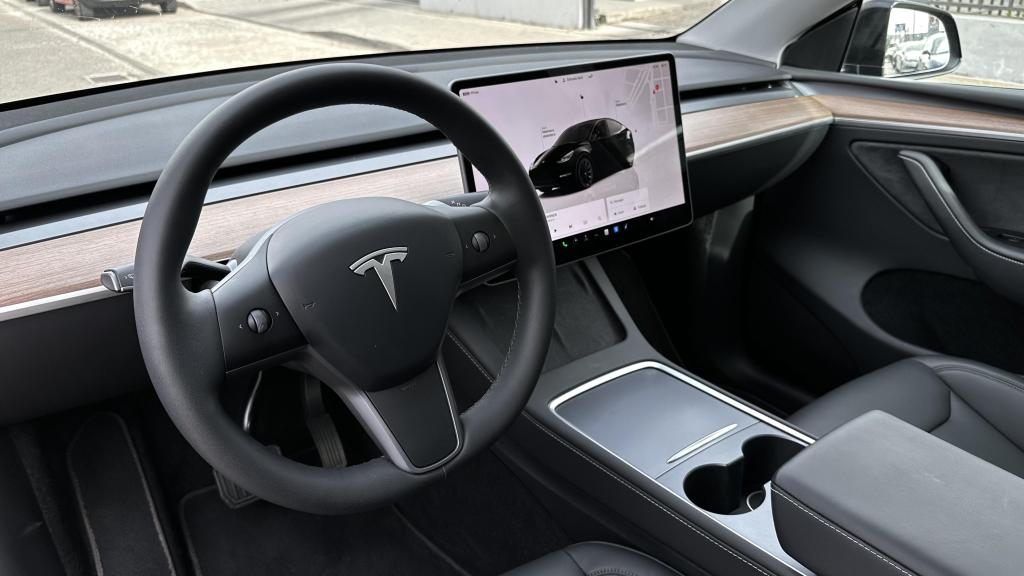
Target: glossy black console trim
{"points": [[665, 493], [686, 379], [666, 516]]}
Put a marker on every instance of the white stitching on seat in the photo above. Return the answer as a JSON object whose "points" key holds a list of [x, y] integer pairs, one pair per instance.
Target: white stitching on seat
{"points": [[955, 219], [612, 572], [841, 532], [658, 505], [943, 368]]}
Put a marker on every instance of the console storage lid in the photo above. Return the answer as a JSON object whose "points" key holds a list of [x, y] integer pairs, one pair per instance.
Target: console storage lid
{"points": [[879, 496]]}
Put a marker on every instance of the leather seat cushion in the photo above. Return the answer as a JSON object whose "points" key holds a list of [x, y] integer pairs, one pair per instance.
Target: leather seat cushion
{"points": [[594, 559], [970, 405]]}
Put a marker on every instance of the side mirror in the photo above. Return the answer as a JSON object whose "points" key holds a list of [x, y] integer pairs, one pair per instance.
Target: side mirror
{"points": [[901, 39]]}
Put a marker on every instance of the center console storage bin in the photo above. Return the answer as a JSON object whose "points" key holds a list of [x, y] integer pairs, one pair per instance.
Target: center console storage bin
{"points": [[707, 452], [879, 496], [647, 417]]}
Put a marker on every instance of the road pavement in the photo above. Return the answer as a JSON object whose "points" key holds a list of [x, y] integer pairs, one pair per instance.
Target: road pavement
{"points": [[993, 49], [45, 52]]}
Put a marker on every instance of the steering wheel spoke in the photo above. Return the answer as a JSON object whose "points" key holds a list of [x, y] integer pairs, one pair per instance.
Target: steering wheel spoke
{"points": [[256, 329], [415, 424], [487, 247]]}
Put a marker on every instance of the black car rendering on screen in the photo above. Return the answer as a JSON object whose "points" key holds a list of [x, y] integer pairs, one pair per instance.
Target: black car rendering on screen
{"points": [[583, 154]]}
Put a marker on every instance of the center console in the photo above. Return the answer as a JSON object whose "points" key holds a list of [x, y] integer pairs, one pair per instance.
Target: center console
{"points": [[635, 435], [880, 496], [711, 452], [685, 462]]}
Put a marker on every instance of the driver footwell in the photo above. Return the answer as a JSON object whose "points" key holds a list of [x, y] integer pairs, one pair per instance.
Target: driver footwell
{"points": [[479, 521], [141, 483], [262, 538]]}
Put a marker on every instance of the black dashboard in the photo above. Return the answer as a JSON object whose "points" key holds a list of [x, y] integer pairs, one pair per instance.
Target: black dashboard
{"points": [[122, 137], [139, 127]]}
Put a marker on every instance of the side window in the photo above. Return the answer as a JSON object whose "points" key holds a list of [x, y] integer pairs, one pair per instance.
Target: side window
{"points": [[991, 42], [975, 42], [614, 127], [600, 130]]}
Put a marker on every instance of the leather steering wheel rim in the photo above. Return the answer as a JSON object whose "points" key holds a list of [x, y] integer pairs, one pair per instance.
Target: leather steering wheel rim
{"points": [[180, 335]]}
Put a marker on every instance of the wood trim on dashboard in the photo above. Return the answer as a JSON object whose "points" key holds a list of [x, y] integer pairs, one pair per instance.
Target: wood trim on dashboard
{"points": [[906, 115], [714, 128], [74, 262]]}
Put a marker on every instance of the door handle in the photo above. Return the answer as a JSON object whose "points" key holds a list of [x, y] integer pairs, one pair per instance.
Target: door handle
{"points": [[997, 264]]}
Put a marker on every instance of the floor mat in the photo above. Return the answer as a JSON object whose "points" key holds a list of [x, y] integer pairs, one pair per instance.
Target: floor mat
{"points": [[266, 539], [125, 535], [484, 518]]}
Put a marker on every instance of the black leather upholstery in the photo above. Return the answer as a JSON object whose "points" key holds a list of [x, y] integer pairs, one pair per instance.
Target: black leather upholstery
{"points": [[879, 496], [970, 405], [593, 559]]}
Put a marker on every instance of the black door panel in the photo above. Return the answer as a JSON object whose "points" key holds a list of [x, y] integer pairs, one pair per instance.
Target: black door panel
{"points": [[956, 316], [997, 263], [987, 183], [850, 242]]}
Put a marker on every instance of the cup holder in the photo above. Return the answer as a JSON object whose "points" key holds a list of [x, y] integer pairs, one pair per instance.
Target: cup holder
{"points": [[738, 487]]}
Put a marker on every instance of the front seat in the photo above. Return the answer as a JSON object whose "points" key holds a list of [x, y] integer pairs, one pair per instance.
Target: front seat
{"points": [[973, 406], [594, 558]]}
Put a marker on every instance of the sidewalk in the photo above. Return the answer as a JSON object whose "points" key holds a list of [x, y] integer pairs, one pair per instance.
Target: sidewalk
{"points": [[386, 25], [382, 25], [674, 14], [217, 34]]}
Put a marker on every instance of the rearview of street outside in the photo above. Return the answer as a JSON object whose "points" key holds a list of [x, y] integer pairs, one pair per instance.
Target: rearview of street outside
{"points": [[915, 42]]}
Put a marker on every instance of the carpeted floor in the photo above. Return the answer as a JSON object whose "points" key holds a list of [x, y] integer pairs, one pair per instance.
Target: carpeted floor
{"points": [[151, 508], [265, 539], [480, 521], [125, 531]]}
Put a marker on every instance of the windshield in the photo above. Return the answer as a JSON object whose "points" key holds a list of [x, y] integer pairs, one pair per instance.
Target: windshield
{"points": [[55, 46]]}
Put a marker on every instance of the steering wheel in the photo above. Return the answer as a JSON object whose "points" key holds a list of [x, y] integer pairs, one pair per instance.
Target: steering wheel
{"points": [[356, 293]]}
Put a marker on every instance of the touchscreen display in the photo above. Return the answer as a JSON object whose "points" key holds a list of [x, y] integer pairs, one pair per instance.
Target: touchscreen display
{"points": [[602, 144]]}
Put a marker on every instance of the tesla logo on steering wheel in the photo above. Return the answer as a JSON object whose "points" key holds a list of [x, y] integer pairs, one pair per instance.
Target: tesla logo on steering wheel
{"points": [[382, 267]]}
